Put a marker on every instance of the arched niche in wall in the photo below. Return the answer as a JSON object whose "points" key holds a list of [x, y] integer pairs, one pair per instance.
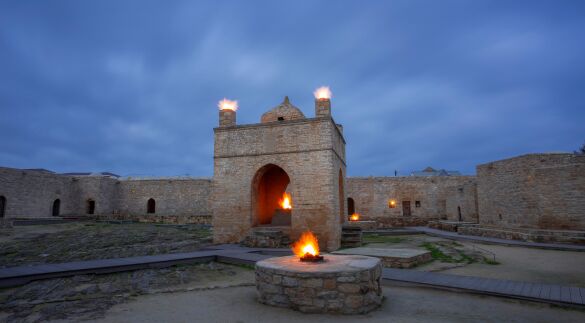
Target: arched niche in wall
{"points": [[56, 207], [90, 206], [268, 187], [350, 206], [151, 206], [2, 206]]}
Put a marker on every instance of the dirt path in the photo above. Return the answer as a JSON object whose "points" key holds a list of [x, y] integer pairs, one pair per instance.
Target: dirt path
{"points": [[402, 304], [528, 264]]}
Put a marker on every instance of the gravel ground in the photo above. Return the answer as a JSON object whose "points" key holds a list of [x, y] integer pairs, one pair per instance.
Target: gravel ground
{"points": [[39, 244]]}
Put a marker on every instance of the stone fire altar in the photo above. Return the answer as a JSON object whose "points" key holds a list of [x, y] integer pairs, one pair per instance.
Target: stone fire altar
{"points": [[346, 284]]}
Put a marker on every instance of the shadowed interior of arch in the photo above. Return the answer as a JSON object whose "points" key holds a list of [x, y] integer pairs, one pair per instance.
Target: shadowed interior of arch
{"points": [[268, 187]]}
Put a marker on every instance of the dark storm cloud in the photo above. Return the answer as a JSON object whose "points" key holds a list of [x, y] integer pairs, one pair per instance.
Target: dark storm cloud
{"points": [[132, 86]]}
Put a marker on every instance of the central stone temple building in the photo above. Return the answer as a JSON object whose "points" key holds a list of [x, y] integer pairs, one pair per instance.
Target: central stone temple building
{"points": [[256, 164]]}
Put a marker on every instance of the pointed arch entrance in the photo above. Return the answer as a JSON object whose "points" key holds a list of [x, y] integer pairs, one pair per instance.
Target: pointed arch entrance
{"points": [[268, 187]]}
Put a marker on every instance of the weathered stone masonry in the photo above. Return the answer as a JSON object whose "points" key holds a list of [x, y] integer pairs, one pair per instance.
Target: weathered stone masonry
{"points": [[430, 198], [311, 151], [31, 194]]}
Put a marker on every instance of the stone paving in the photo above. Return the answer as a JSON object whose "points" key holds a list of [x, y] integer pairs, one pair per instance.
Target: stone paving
{"points": [[392, 258]]}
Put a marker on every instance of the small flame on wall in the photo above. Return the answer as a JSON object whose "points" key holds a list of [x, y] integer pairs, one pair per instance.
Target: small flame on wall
{"points": [[323, 92], [285, 202], [226, 104], [354, 217]]}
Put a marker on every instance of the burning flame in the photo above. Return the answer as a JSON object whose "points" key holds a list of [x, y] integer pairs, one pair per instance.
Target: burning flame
{"points": [[285, 202], [226, 104], [306, 245], [322, 93], [354, 217]]}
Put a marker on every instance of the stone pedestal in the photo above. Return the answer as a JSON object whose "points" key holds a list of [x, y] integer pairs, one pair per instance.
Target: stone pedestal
{"points": [[340, 284]]}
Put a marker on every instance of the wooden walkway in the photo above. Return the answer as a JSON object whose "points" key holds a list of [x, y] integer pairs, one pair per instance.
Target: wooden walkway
{"points": [[233, 254], [487, 240], [547, 293]]}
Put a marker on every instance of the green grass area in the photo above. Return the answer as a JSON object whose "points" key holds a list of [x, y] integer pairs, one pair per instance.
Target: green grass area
{"points": [[437, 254], [374, 238], [490, 261]]}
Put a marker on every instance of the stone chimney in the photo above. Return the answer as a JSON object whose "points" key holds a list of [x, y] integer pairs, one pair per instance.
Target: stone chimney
{"points": [[227, 113], [322, 102], [323, 107], [227, 118]]}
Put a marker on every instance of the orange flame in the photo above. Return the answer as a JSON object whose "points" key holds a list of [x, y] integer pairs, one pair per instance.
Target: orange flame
{"points": [[285, 202], [306, 245], [226, 104], [323, 92], [354, 217]]}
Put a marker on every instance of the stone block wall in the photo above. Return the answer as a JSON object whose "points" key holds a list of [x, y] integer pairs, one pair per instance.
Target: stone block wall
{"points": [[439, 198], [537, 191], [101, 189], [173, 197], [31, 193]]}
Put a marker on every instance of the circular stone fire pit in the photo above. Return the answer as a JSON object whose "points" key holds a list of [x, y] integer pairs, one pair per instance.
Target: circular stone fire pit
{"points": [[339, 284]]}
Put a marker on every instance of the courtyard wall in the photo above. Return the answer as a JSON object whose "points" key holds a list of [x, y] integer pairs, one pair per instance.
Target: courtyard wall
{"points": [[177, 200], [439, 197], [31, 193], [535, 191]]}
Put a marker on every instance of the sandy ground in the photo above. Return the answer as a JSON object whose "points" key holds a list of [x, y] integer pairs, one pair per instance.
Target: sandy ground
{"points": [[515, 263], [402, 304], [527, 264]]}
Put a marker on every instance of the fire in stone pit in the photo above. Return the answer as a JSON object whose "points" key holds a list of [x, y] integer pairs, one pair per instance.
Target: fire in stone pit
{"points": [[307, 248], [354, 217]]}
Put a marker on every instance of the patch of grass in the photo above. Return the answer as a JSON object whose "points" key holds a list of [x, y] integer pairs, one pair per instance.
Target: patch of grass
{"points": [[437, 254], [490, 261], [374, 238]]}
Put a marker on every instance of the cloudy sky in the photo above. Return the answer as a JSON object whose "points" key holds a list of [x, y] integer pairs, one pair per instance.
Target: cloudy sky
{"points": [[131, 87]]}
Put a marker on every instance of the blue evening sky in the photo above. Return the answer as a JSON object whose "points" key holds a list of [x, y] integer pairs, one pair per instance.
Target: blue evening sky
{"points": [[131, 87]]}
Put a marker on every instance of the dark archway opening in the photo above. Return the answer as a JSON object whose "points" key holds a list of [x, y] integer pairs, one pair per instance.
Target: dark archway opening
{"points": [[268, 186], [350, 206], [150, 206], [56, 207], [90, 208], [2, 206]]}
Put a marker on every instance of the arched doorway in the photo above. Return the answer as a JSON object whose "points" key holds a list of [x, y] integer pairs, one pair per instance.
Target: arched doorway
{"points": [[151, 206], [350, 206], [268, 186], [2, 206], [341, 198], [56, 207], [90, 206]]}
